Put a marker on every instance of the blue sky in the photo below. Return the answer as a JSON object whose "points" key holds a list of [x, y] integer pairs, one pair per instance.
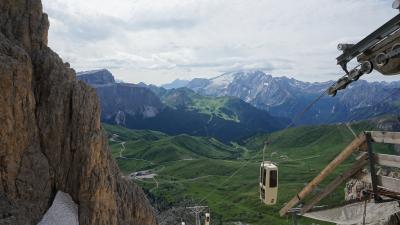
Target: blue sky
{"points": [[158, 41]]}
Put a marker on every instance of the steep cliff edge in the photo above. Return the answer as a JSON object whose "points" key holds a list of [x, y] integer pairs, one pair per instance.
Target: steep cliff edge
{"points": [[119, 99], [96, 77], [50, 133]]}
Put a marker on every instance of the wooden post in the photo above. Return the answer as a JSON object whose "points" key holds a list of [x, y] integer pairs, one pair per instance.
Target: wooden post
{"points": [[354, 169], [371, 159], [355, 144]]}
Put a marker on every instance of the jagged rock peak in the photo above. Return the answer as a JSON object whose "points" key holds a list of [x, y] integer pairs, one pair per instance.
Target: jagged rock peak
{"points": [[24, 22], [50, 133], [96, 77]]}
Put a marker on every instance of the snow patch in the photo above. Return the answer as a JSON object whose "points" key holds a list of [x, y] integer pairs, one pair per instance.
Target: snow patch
{"points": [[222, 81], [63, 211]]}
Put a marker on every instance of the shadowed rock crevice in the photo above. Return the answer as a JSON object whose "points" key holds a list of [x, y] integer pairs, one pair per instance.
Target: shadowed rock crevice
{"points": [[50, 133]]}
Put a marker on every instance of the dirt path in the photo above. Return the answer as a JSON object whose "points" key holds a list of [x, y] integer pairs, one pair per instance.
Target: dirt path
{"points": [[178, 181], [122, 149], [129, 158]]}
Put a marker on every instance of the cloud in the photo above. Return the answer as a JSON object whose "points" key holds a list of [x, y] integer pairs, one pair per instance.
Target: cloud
{"points": [[158, 41]]}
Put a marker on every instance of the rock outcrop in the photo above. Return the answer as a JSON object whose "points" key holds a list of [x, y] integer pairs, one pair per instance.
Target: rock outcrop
{"points": [[50, 133], [120, 99], [96, 77]]}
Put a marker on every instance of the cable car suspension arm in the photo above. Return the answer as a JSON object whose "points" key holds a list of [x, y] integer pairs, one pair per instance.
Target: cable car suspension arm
{"points": [[351, 51]]}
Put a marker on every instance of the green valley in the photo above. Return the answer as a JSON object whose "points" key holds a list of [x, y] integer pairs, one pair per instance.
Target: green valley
{"points": [[186, 112], [198, 170]]}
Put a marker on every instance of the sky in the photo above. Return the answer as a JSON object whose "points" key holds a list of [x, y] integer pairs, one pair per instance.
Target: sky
{"points": [[157, 41]]}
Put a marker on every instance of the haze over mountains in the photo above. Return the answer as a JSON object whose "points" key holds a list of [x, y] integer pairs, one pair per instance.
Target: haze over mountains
{"points": [[178, 111], [235, 105], [286, 96]]}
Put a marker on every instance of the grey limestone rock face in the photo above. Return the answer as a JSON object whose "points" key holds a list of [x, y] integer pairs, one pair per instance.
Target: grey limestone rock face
{"points": [[119, 99], [96, 77], [128, 98]]}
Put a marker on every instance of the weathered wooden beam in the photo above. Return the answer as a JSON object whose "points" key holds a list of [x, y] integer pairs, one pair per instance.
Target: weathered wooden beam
{"points": [[385, 137], [355, 144], [354, 169], [372, 169], [388, 160], [388, 183]]}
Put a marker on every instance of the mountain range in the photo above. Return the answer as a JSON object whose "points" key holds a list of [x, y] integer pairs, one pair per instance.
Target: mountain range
{"points": [[287, 97], [178, 83], [178, 111], [236, 105]]}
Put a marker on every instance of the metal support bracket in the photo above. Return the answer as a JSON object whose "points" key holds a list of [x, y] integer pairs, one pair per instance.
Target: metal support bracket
{"points": [[378, 35], [294, 212], [371, 160]]}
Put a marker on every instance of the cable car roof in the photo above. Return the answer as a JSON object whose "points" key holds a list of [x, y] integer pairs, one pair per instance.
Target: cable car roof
{"points": [[268, 164]]}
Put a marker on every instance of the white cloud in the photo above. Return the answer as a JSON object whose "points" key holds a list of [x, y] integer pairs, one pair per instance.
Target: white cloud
{"points": [[157, 41]]}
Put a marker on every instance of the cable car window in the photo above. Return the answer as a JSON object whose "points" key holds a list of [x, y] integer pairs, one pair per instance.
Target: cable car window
{"points": [[264, 175], [262, 193], [261, 172], [273, 178]]}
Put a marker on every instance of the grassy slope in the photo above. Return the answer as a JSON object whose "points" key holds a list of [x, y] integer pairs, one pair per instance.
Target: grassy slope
{"points": [[212, 106], [224, 118], [226, 108], [215, 107], [144, 148], [301, 153]]}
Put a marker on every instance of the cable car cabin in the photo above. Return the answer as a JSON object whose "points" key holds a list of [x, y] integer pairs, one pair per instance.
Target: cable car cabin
{"points": [[208, 217], [268, 183]]}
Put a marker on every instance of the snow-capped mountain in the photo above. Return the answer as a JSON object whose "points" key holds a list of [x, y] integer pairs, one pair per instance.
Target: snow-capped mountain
{"points": [[177, 111], [287, 96]]}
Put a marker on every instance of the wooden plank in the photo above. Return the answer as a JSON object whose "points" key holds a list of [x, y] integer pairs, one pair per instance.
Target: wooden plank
{"points": [[384, 182], [389, 183], [354, 169], [355, 144], [385, 137], [388, 160]]}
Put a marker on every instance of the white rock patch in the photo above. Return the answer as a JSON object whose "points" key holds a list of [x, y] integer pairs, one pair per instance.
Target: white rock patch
{"points": [[63, 211]]}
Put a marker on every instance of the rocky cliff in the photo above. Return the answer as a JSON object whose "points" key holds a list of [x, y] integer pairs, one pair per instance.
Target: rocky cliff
{"points": [[119, 99], [50, 133], [96, 77]]}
